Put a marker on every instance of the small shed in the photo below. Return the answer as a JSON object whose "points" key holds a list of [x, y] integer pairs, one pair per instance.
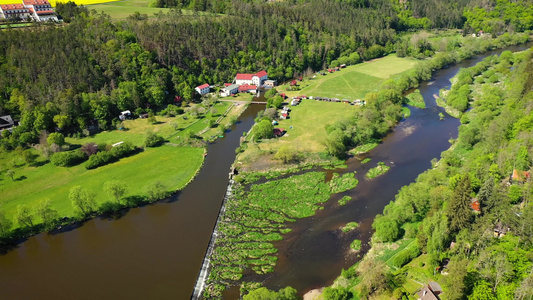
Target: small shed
{"points": [[278, 132], [270, 83], [519, 176], [475, 205], [6, 122]]}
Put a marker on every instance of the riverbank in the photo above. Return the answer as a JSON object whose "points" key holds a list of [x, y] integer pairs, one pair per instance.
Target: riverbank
{"points": [[431, 244], [140, 176]]}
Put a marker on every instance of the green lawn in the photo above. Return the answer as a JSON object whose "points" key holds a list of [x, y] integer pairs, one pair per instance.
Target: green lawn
{"points": [[308, 121], [123, 9], [353, 82], [173, 166]]}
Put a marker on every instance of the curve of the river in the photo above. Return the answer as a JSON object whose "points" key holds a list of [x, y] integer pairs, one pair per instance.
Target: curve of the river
{"points": [[155, 251]]}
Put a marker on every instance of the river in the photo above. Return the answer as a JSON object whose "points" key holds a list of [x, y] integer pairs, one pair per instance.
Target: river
{"points": [[155, 251]]}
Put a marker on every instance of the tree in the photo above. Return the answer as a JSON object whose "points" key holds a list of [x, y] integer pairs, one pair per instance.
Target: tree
{"points": [[338, 293], [82, 200], [374, 276], [28, 157], [263, 130], [56, 138], [10, 174], [24, 216], [115, 189], [151, 139], [287, 154], [457, 270], [458, 209], [482, 291], [5, 224], [263, 293], [387, 228], [44, 210], [156, 191]]}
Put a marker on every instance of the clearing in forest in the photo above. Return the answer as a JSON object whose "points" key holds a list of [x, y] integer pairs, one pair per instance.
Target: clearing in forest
{"points": [[122, 9]]}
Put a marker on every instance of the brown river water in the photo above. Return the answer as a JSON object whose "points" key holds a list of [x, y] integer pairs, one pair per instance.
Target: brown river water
{"points": [[156, 251]]}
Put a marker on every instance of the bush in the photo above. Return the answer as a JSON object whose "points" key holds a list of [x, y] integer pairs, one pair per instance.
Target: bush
{"points": [[68, 159], [405, 256], [153, 140], [105, 157]]}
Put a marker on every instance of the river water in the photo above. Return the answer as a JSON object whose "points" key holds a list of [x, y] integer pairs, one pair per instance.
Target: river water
{"points": [[156, 251]]}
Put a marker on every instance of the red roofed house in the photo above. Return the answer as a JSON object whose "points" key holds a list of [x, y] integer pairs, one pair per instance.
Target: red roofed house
{"points": [[41, 10], [475, 205], [519, 176], [246, 88], [202, 89], [252, 79], [14, 11]]}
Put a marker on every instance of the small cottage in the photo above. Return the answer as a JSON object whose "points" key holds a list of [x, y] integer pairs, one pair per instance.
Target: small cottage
{"points": [[202, 89], [278, 132]]}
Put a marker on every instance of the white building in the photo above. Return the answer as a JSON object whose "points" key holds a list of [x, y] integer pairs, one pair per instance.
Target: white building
{"points": [[202, 89], [41, 10], [232, 89], [251, 79], [14, 11]]}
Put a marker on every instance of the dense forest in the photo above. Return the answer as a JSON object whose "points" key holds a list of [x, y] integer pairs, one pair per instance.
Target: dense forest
{"points": [[71, 77]]}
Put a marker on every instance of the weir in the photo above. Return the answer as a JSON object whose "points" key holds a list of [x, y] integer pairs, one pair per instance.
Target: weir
{"points": [[204, 270]]}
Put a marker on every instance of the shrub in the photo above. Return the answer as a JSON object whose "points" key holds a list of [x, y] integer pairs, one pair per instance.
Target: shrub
{"points": [[405, 256], [105, 157], [153, 140], [68, 159]]}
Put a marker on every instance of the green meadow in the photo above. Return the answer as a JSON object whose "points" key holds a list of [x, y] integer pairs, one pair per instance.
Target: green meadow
{"points": [[123, 9], [353, 82], [174, 164]]}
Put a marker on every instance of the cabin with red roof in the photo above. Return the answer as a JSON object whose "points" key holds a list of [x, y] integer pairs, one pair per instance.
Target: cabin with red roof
{"points": [[203, 89], [475, 205], [278, 132], [519, 176], [256, 79]]}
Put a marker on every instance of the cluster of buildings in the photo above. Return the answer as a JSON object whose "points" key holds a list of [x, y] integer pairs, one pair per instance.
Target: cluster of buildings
{"points": [[243, 83], [37, 10]]}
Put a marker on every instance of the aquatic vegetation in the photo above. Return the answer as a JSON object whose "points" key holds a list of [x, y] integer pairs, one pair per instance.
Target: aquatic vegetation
{"points": [[257, 217], [356, 245], [349, 226], [344, 200], [379, 170], [366, 160]]}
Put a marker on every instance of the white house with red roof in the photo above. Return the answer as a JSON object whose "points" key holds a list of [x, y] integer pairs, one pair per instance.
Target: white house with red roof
{"points": [[202, 89], [14, 11], [251, 79], [41, 10]]}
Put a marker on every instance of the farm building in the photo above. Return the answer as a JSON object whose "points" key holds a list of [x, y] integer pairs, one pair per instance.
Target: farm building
{"points": [[430, 292], [202, 89], [38, 10], [253, 79], [232, 89]]}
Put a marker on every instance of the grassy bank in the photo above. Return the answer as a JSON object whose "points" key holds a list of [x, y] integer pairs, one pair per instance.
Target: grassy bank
{"points": [[173, 164], [122, 9]]}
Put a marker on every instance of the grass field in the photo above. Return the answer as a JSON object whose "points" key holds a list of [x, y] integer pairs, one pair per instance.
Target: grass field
{"points": [[308, 121], [173, 166], [122, 9], [353, 82]]}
